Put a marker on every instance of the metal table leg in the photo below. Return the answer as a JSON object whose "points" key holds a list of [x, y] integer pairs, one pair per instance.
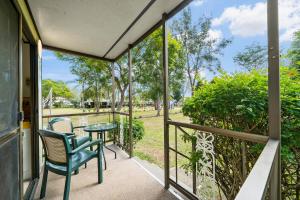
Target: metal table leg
{"points": [[109, 148], [101, 136]]}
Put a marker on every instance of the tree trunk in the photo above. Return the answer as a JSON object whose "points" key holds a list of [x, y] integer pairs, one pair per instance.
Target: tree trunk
{"points": [[120, 104], [244, 160], [97, 98], [157, 107], [82, 97]]}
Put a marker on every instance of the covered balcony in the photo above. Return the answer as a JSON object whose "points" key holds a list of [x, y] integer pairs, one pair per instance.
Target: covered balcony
{"points": [[108, 30]]}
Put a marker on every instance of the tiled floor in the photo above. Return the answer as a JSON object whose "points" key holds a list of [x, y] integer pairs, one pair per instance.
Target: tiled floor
{"points": [[123, 180]]}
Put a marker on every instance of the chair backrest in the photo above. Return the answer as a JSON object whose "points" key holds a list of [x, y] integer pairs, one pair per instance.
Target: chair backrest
{"points": [[61, 125], [56, 146]]}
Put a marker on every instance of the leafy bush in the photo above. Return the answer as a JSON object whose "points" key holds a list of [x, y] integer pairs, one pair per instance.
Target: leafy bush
{"points": [[138, 131], [240, 102]]}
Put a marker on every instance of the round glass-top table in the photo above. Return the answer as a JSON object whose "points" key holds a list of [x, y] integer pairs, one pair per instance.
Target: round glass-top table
{"points": [[100, 129]]}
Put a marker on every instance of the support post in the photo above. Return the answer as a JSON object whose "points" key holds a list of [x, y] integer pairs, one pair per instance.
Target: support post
{"points": [[166, 99], [274, 94], [130, 100], [113, 97]]}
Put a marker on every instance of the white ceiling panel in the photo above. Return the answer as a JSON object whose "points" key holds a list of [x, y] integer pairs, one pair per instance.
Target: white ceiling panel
{"points": [[149, 19], [93, 26]]}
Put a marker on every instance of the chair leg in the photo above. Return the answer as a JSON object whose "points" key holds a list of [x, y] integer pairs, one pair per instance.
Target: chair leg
{"points": [[44, 183], [100, 169], [67, 186]]}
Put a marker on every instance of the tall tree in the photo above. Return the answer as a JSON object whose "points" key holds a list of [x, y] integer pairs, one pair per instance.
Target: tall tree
{"points": [[147, 61], [294, 52], [121, 79], [254, 56], [201, 50], [59, 89], [92, 74], [95, 74]]}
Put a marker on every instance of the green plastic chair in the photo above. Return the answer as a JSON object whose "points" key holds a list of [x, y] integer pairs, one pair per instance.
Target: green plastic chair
{"points": [[61, 159], [65, 125]]}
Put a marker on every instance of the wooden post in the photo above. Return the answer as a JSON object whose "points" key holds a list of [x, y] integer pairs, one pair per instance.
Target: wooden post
{"points": [[274, 94], [166, 100], [113, 102], [130, 100]]}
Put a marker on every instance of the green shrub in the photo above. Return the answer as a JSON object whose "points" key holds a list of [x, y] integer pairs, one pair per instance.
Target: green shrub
{"points": [[138, 131], [240, 102]]}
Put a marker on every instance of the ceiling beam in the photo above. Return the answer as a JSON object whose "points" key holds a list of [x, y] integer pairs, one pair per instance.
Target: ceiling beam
{"points": [[77, 53], [131, 25], [169, 15]]}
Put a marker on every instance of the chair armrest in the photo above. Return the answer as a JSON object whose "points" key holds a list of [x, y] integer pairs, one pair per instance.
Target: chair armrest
{"points": [[76, 127], [70, 135], [88, 144]]}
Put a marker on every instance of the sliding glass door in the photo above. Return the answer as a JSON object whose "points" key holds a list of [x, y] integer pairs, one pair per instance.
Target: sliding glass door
{"points": [[10, 185]]}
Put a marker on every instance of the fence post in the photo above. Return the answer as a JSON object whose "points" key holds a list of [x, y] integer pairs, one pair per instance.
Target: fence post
{"points": [[274, 94], [166, 99], [130, 100], [113, 101]]}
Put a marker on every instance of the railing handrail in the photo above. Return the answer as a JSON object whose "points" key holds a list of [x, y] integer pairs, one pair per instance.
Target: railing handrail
{"points": [[84, 113], [256, 184], [228, 133], [76, 114]]}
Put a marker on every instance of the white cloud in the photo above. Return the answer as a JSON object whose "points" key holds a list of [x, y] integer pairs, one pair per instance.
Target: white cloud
{"points": [[215, 34], [198, 2], [245, 20], [251, 20], [289, 18]]}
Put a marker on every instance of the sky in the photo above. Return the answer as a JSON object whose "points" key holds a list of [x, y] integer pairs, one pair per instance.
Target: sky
{"points": [[242, 21]]}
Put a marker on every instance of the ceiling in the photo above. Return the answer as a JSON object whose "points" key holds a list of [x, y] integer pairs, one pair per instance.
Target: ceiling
{"points": [[101, 28]]}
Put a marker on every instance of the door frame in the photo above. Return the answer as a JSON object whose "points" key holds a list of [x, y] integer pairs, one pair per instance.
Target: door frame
{"points": [[25, 28], [34, 125]]}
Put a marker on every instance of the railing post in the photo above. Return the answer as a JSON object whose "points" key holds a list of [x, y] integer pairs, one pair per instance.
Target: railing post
{"points": [[274, 94], [166, 99], [194, 173], [130, 100], [113, 101]]}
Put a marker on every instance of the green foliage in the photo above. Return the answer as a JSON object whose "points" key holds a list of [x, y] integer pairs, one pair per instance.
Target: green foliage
{"points": [[148, 69], [93, 75], [138, 131], [200, 49], [59, 89], [240, 102], [253, 57], [294, 52]]}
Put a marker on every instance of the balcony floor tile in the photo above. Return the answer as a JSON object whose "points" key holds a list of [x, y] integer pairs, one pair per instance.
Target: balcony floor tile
{"points": [[124, 179]]}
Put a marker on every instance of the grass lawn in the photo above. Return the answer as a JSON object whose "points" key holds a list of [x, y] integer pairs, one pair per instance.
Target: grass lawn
{"points": [[151, 147]]}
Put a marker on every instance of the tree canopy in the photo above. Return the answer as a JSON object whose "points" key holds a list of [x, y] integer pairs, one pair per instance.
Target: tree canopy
{"points": [[93, 76], [252, 57], [200, 49], [59, 89], [294, 52], [148, 66]]}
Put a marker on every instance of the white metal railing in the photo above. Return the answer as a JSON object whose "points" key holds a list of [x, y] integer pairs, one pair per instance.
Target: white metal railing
{"points": [[256, 185]]}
